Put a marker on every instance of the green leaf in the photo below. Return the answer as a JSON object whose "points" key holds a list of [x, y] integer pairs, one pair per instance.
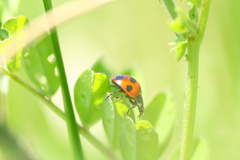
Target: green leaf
{"points": [[161, 112], [113, 114], [128, 140], [166, 122], [89, 92], [101, 67], [193, 14], [182, 23], [200, 150], [14, 27], [180, 50], [3, 52], [40, 66], [154, 109], [196, 3], [178, 26], [14, 63], [3, 34], [147, 141], [139, 141]]}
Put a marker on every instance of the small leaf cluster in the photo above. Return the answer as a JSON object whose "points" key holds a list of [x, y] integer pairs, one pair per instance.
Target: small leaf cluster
{"points": [[185, 27], [37, 59]]}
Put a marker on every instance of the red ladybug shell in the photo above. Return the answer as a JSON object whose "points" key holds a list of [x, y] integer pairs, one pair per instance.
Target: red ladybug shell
{"points": [[128, 84]]}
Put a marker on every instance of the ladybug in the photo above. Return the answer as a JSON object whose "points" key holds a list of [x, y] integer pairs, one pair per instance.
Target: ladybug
{"points": [[132, 90]]}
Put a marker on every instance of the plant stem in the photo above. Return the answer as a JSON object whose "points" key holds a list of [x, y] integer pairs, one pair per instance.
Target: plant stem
{"points": [[192, 76], [71, 120], [190, 102], [3, 98], [45, 99], [170, 6], [85, 132], [192, 85]]}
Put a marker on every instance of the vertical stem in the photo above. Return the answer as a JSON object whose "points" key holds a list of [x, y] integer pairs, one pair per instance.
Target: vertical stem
{"points": [[192, 75], [3, 98], [190, 102], [70, 117], [192, 84]]}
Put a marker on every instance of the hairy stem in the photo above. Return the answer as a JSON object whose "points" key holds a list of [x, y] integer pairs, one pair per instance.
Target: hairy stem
{"points": [[190, 102], [192, 84], [192, 75]]}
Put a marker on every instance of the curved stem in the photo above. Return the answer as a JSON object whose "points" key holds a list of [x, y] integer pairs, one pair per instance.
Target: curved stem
{"points": [[83, 131]]}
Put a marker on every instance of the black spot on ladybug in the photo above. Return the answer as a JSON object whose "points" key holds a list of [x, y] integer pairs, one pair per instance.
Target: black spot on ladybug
{"points": [[133, 80], [119, 77], [129, 88]]}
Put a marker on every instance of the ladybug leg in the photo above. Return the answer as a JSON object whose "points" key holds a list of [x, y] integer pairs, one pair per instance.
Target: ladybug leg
{"points": [[120, 96], [114, 86], [113, 93], [140, 106], [131, 101], [132, 106], [141, 111]]}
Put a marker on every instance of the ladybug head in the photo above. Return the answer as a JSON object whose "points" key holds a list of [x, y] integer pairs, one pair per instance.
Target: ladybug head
{"points": [[139, 103]]}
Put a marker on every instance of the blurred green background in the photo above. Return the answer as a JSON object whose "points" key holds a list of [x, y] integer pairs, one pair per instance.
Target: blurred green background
{"points": [[135, 34]]}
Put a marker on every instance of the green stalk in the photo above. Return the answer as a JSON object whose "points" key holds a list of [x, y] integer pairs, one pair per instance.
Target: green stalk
{"points": [[74, 138], [171, 8], [192, 76], [192, 85], [190, 101]]}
